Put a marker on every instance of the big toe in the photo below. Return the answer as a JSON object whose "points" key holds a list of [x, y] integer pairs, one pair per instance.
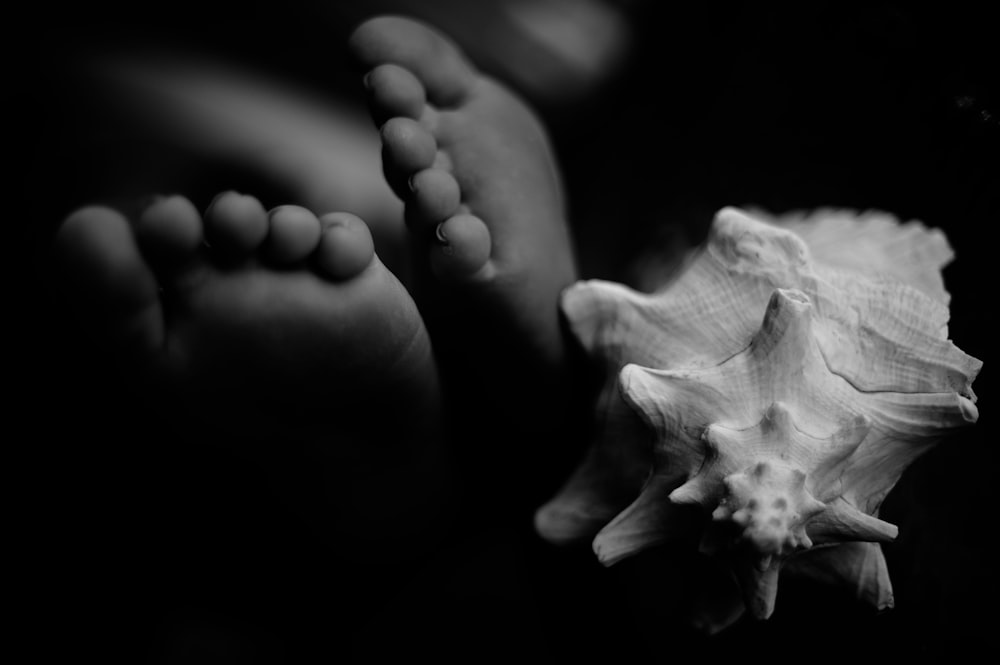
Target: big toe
{"points": [[345, 246], [107, 279], [394, 91], [435, 61], [461, 252]]}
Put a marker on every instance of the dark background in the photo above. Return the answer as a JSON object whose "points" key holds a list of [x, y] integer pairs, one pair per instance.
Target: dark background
{"points": [[138, 547]]}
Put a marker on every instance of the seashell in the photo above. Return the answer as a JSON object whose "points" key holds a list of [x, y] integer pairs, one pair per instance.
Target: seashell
{"points": [[780, 384]]}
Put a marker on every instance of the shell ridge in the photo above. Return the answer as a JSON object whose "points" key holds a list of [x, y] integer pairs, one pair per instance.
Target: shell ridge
{"points": [[648, 521], [738, 240], [690, 393], [598, 310], [931, 361], [851, 380], [703, 485], [686, 450], [842, 521], [597, 490], [874, 242]]}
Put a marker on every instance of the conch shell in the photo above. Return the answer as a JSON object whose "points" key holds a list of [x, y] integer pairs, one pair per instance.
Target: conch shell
{"points": [[782, 383]]}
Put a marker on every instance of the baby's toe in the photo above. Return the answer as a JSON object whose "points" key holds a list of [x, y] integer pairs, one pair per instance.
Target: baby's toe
{"points": [[446, 75], [462, 251], [169, 231], [434, 196], [406, 148], [345, 246], [107, 278], [294, 234], [235, 224], [394, 92]]}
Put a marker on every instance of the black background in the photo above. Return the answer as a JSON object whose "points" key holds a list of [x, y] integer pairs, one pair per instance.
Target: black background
{"points": [[145, 548]]}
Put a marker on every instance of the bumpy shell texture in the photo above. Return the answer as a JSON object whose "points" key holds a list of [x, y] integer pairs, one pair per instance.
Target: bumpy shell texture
{"points": [[780, 384]]}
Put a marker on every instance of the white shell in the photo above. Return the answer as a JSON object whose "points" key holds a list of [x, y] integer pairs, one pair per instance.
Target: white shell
{"points": [[783, 382]]}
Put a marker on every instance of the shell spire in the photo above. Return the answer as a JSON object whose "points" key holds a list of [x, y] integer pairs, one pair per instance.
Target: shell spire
{"points": [[770, 504], [780, 394]]}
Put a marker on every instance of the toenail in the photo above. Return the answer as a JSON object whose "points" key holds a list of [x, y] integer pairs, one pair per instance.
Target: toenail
{"points": [[366, 80], [439, 234], [344, 220]]}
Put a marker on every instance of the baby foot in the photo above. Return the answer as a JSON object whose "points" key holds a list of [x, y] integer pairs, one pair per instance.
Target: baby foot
{"points": [[483, 197], [277, 326]]}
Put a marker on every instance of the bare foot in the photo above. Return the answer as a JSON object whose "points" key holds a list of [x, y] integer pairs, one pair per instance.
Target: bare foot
{"points": [[272, 327], [484, 205], [476, 172]]}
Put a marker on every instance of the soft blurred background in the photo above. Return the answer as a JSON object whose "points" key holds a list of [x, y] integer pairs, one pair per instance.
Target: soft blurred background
{"points": [[147, 551]]}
